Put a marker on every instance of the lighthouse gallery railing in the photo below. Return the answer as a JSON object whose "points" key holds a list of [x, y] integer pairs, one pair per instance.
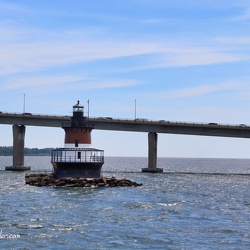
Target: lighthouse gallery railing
{"points": [[77, 155]]}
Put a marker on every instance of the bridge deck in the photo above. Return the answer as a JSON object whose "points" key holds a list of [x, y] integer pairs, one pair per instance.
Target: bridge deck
{"points": [[137, 125]]}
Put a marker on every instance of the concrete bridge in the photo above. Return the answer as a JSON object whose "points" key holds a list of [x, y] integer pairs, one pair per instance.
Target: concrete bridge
{"points": [[20, 121]]}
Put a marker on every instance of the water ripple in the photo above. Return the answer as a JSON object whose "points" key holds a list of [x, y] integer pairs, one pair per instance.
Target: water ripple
{"points": [[170, 211]]}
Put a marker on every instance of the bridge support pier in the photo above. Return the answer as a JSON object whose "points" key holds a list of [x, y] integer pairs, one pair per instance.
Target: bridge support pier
{"points": [[18, 149], [152, 154]]}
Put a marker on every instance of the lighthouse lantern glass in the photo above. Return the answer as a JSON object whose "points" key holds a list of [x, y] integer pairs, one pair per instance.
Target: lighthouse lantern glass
{"points": [[77, 109]]}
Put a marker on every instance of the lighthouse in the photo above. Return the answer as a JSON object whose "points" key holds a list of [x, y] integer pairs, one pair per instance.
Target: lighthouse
{"points": [[78, 158]]}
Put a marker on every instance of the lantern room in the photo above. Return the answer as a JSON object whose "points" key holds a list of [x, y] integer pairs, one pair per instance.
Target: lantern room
{"points": [[78, 119], [78, 109]]}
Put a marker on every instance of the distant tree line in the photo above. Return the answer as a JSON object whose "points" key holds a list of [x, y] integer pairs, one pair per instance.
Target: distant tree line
{"points": [[8, 151]]}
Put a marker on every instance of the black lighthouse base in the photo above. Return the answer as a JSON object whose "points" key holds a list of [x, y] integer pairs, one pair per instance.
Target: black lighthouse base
{"points": [[77, 169]]}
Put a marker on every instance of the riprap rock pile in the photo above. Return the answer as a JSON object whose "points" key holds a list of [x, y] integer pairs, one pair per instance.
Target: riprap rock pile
{"points": [[45, 179]]}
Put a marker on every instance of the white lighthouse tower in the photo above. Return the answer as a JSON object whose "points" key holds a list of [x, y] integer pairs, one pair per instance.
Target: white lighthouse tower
{"points": [[77, 158]]}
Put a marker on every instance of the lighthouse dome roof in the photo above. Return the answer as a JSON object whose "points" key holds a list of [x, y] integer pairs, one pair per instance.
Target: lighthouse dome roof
{"points": [[78, 105]]}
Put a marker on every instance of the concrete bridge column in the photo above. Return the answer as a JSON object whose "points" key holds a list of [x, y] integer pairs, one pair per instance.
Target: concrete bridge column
{"points": [[18, 149], [152, 154]]}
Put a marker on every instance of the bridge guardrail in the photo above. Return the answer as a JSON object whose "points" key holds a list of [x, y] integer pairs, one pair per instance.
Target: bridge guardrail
{"points": [[126, 120], [33, 115], [163, 122]]}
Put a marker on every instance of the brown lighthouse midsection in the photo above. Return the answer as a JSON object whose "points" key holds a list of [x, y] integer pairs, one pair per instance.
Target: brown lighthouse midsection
{"points": [[79, 135]]}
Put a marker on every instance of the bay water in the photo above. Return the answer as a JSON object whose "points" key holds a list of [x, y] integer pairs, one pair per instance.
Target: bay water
{"points": [[194, 204]]}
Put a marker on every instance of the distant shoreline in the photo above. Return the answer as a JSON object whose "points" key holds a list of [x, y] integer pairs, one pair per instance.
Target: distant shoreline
{"points": [[8, 151]]}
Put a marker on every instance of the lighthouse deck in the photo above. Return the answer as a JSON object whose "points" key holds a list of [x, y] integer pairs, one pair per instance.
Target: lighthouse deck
{"points": [[77, 155]]}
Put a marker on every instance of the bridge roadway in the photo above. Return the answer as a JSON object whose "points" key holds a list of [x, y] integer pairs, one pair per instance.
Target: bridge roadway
{"points": [[134, 125]]}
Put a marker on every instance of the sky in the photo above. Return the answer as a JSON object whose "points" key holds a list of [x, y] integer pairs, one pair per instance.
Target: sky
{"points": [[155, 59]]}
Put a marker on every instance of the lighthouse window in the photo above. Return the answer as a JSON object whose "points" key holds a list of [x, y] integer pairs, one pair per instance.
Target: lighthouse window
{"points": [[76, 143], [79, 155]]}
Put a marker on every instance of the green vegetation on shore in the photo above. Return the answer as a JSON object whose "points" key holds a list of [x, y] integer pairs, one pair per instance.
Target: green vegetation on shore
{"points": [[8, 151]]}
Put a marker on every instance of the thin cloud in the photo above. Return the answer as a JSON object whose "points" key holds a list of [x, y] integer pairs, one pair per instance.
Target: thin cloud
{"points": [[198, 91], [63, 83], [37, 56], [197, 57], [7, 6], [24, 50], [233, 40], [40, 82], [244, 16], [112, 84], [155, 21], [40, 56]]}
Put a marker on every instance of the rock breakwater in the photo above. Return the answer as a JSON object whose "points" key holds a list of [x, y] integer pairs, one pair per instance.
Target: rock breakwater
{"points": [[49, 180]]}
